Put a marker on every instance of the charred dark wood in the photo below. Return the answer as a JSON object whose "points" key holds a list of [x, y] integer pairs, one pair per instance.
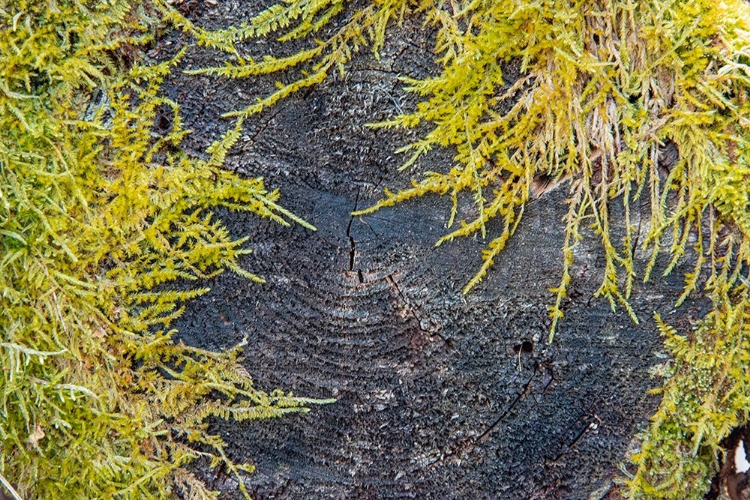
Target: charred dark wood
{"points": [[440, 395]]}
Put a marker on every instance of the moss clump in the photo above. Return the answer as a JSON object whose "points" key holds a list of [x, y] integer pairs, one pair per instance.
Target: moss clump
{"points": [[98, 211], [604, 86]]}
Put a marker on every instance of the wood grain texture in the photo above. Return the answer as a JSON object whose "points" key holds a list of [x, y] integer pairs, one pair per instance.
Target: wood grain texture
{"points": [[440, 395]]}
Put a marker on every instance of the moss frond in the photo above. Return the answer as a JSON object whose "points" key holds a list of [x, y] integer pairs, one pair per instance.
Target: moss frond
{"points": [[706, 396]]}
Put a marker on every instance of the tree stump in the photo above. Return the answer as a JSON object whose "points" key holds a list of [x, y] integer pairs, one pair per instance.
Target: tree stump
{"points": [[440, 395]]}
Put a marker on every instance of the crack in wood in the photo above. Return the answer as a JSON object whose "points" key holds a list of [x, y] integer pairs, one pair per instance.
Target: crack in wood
{"points": [[592, 424], [572, 444], [264, 125], [415, 316], [521, 395], [466, 446], [352, 245]]}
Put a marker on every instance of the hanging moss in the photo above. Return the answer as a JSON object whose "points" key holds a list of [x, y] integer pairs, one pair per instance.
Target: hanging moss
{"points": [[99, 212], [605, 88]]}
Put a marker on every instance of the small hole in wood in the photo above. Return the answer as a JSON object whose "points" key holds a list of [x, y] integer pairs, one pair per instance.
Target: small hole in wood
{"points": [[525, 347]]}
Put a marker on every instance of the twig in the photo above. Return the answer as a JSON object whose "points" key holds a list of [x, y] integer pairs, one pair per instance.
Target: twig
{"points": [[10, 488]]}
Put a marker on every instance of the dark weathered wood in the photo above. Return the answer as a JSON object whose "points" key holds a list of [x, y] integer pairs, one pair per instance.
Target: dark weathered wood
{"points": [[439, 395]]}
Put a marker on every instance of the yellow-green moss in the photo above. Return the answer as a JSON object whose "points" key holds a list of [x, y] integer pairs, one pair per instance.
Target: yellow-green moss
{"points": [[97, 210], [603, 85]]}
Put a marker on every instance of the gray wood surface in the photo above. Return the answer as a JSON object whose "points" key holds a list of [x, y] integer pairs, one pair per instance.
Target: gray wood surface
{"points": [[440, 395]]}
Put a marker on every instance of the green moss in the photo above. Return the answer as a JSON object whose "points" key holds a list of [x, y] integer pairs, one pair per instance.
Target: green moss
{"points": [[98, 211], [603, 86]]}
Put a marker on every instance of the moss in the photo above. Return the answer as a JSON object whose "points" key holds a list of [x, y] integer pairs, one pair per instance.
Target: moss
{"points": [[99, 212], [604, 87]]}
